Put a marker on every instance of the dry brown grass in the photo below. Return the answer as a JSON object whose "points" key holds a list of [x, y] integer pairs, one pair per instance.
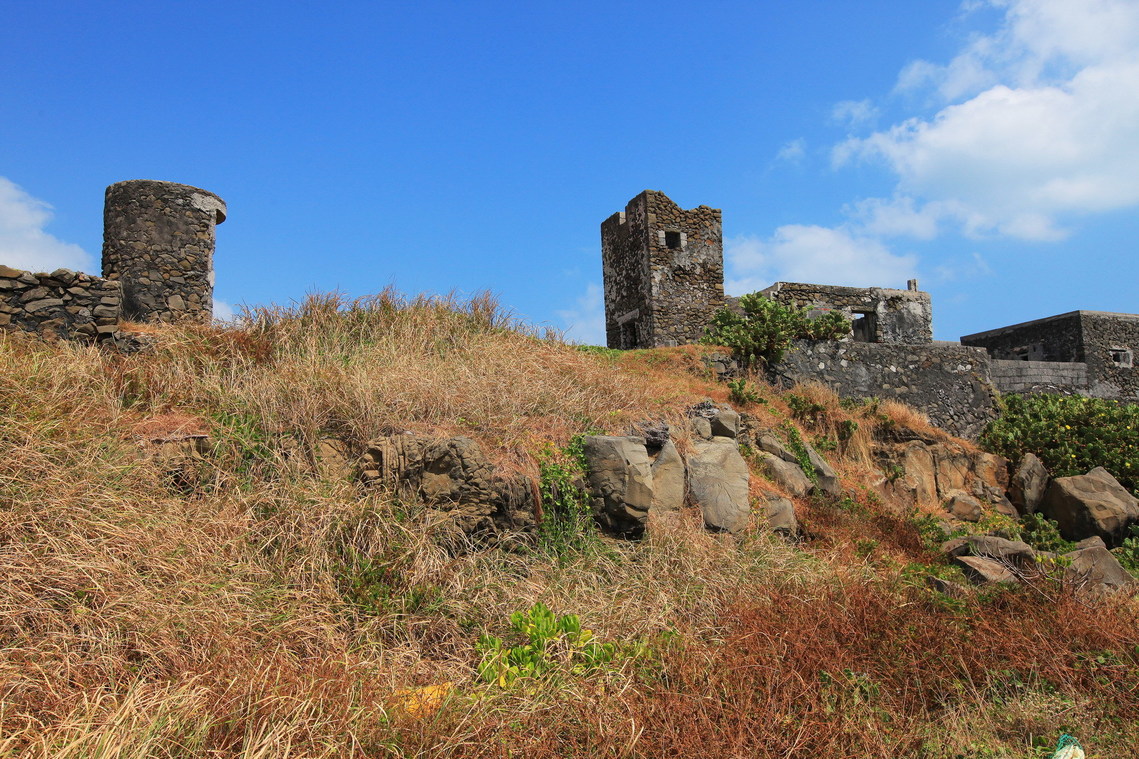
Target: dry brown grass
{"points": [[249, 608]]}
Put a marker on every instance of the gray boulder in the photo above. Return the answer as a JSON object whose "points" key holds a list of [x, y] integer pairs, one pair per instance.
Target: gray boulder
{"points": [[982, 571], [1095, 567], [1008, 552], [785, 474], [780, 513], [825, 475], [668, 479], [620, 482], [718, 483], [964, 507], [723, 421], [1091, 504], [1028, 484]]}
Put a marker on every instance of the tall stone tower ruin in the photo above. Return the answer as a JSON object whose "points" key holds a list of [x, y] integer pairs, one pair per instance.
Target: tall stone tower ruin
{"points": [[664, 272], [158, 241]]}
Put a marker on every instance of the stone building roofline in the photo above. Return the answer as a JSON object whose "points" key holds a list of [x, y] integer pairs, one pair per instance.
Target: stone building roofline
{"points": [[201, 199], [1047, 319], [841, 289]]}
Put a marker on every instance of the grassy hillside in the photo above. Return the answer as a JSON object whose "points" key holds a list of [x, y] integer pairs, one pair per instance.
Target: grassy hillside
{"points": [[249, 601]]}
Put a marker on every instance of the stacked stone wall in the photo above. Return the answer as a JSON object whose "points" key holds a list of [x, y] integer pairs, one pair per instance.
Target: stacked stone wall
{"points": [[950, 384], [624, 240], [158, 240], [62, 304], [1103, 333], [663, 270], [1026, 377]]}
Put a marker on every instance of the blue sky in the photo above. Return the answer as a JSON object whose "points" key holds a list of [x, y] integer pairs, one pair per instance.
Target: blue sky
{"points": [[990, 148]]}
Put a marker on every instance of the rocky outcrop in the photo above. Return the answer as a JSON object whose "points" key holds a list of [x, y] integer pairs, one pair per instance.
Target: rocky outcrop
{"points": [[453, 477], [785, 469], [668, 480], [926, 472], [1028, 484], [620, 477], [1092, 504], [718, 482]]}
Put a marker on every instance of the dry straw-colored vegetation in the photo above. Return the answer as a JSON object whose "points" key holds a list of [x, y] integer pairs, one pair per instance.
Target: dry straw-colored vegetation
{"points": [[243, 604]]}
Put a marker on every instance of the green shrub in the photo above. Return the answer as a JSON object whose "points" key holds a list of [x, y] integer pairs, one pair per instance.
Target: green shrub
{"points": [[766, 328], [567, 522], [552, 645], [740, 391], [1070, 434]]}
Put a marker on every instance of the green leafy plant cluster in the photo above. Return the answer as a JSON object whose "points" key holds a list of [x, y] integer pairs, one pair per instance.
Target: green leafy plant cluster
{"points": [[567, 520], [1128, 551], [799, 448], [553, 645], [1070, 434], [1043, 534], [742, 392], [766, 328]]}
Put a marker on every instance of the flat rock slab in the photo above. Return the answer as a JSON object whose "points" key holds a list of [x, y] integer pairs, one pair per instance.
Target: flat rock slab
{"points": [[718, 481]]}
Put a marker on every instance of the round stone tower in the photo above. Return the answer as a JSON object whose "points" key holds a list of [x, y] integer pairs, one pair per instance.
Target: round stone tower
{"points": [[158, 240]]}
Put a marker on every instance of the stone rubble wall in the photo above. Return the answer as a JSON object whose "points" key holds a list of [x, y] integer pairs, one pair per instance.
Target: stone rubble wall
{"points": [[903, 317], [950, 383], [1103, 332], [62, 304], [1054, 339], [657, 295], [687, 284]]}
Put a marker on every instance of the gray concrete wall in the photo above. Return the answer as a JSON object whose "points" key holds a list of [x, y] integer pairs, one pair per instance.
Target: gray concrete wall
{"points": [[1039, 376], [950, 384]]}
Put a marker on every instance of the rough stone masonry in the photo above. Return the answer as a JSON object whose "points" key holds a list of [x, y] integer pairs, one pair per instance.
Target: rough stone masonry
{"points": [[158, 241]]}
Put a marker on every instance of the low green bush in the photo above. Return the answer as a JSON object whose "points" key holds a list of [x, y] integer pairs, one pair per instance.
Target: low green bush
{"points": [[1070, 434], [766, 328]]}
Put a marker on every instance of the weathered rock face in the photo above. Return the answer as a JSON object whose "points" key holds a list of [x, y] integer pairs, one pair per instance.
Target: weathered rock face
{"points": [[780, 513], [1010, 552], [64, 304], [1092, 504], [1095, 567], [451, 476], [718, 482], [1028, 484], [668, 480], [923, 472], [620, 478]]}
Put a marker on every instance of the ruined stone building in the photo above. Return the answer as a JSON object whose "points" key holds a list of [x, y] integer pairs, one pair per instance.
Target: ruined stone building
{"points": [[158, 247], [664, 272], [1086, 352]]}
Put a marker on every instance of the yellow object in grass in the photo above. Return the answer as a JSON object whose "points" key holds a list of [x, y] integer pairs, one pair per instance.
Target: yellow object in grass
{"points": [[419, 702]]}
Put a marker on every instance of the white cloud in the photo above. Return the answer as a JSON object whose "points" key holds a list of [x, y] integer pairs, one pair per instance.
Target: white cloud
{"points": [[585, 322], [223, 311], [854, 113], [798, 253], [23, 242], [973, 267], [1047, 130], [793, 151]]}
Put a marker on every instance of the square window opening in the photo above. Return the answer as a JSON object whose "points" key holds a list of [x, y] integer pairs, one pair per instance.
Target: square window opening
{"points": [[672, 240], [864, 326], [1121, 357]]}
